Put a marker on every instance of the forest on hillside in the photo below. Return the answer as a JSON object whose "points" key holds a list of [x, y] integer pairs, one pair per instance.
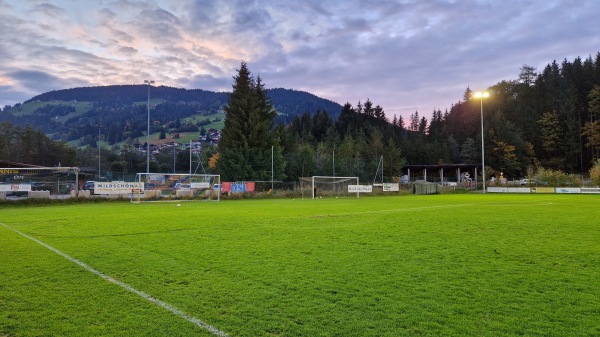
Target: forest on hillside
{"points": [[545, 118], [121, 111]]}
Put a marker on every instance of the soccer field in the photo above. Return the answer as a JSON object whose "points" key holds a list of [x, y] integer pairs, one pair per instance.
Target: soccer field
{"points": [[443, 265]]}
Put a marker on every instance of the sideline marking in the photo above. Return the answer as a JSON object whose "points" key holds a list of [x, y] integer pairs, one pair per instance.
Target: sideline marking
{"points": [[126, 286]]}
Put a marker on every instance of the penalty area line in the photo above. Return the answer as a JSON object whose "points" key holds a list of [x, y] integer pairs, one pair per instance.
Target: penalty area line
{"points": [[420, 208], [126, 286], [396, 210]]}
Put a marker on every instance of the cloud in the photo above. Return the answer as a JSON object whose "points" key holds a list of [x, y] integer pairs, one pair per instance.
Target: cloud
{"points": [[127, 50], [49, 10], [37, 82], [33, 79], [218, 84], [404, 56]]}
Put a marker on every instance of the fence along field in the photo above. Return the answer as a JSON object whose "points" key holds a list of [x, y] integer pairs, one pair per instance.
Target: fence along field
{"points": [[375, 266]]}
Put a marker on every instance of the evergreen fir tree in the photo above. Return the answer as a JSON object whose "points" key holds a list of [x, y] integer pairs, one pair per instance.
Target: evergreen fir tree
{"points": [[247, 145]]}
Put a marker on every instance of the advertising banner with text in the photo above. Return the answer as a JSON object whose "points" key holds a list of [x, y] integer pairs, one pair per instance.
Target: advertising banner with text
{"points": [[118, 187], [360, 188], [238, 186]]}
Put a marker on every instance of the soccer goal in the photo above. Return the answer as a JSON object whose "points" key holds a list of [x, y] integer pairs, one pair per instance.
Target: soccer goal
{"points": [[39, 182], [327, 186], [177, 187]]}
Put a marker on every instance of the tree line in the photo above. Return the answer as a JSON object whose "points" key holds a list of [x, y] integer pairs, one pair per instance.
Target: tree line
{"points": [[546, 119], [540, 120]]}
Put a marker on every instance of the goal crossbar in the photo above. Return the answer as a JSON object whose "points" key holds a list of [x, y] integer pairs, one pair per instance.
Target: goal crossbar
{"points": [[329, 185]]}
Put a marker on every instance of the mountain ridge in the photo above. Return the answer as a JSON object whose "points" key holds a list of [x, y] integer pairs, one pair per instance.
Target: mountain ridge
{"points": [[280, 97], [75, 113]]}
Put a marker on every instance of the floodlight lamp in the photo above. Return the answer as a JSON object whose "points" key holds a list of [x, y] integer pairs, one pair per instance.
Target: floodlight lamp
{"points": [[481, 94]]}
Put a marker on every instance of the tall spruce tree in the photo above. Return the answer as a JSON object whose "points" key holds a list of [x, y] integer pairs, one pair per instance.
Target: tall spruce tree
{"points": [[246, 145]]}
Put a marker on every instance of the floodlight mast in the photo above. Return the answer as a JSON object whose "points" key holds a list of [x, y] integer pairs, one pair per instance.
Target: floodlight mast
{"points": [[98, 145], [481, 95], [149, 83]]}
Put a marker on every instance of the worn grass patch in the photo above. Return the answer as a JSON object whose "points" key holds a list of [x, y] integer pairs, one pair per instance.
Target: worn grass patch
{"points": [[479, 265]]}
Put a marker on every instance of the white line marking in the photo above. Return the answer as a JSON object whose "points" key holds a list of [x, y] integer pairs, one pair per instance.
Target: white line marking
{"points": [[125, 286], [395, 210], [425, 208], [511, 205]]}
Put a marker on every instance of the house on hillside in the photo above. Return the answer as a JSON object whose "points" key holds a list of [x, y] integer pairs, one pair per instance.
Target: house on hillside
{"points": [[213, 136]]}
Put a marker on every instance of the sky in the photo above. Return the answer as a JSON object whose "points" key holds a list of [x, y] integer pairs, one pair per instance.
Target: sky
{"points": [[404, 55]]}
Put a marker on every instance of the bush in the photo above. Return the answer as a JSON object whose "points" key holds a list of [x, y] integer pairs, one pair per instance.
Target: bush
{"points": [[595, 173], [557, 177]]}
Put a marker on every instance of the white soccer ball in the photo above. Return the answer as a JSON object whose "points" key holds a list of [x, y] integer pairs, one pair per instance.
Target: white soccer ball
{"points": [[178, 205]]}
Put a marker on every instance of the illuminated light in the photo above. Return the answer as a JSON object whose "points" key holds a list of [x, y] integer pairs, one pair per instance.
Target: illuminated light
{"points": [[481, 94]]}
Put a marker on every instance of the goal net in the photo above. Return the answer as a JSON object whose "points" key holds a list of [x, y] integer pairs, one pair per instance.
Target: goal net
{"points": [[177, 187], [327, 186], [39, 181]]}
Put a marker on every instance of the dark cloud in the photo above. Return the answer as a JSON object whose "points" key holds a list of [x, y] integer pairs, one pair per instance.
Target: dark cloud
{"points": [[252, 19], [38, 82], [201, 13], [207, 81], [158, 25], [127, 50], [120, 35], [162, 16], [49, 10], [10, 95]]}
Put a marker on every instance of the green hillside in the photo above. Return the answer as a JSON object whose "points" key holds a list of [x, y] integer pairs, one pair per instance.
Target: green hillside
{"points": [[120, 114]]}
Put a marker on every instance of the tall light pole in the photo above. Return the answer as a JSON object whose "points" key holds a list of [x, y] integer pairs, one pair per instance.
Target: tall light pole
{"points": [[481, 95], [149, 83], [98, 145]]}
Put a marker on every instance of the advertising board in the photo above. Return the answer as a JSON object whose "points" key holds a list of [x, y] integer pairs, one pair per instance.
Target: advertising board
{"points": [[542, 190], [519, 190], [497, 189], [200, 185], [360, 188], [387, 187], [15, 187], [238, 186], [118, 187], [568, 190]]}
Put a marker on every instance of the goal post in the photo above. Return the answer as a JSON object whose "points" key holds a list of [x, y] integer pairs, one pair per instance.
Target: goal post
{"points": [[327, 186], [177, 187]]}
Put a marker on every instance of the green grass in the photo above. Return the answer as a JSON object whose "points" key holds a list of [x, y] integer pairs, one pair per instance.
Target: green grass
{"points": [[214, 125], [446, 265], [30, 107]]}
